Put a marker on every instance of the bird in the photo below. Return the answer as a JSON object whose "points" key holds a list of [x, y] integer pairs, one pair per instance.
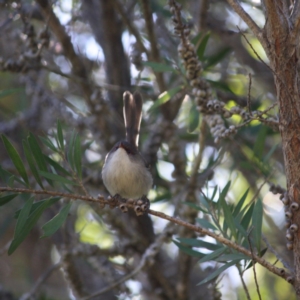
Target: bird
{"points": [[125, 173]]}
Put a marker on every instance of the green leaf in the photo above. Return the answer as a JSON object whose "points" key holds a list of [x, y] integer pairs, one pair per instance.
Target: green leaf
{"points": [[37, 152], [259, 145], [213, 255], [216, 58], [56, 177], [29, 223], [206, 224], [5, 175], [202, 47], [261, 254], [24, 213], [47, 142], [188, 250], [158, 67], [16, 159], [56, 166], [195, 40], [60, 136], [56, 222], [247, 217], [31, 164], [232, 256], [70, 153], [257, 223], [77, 156], [240, 204], [193, 119], [199, 243], [50, 201], [193, 205], [217, 272], [165, 97], [269, 154], [5, 199]]}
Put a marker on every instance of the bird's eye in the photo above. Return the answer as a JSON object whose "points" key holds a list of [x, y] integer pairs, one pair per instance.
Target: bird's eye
{"points": [[128, 151]]}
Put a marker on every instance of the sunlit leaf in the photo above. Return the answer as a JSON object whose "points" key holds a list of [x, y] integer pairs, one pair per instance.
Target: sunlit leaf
{"points": [[16, 159], [56, 222], [165, 97], [259, 144]]}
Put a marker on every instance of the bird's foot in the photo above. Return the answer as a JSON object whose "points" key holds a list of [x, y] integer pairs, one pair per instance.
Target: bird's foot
{"points": [[117, 200]]}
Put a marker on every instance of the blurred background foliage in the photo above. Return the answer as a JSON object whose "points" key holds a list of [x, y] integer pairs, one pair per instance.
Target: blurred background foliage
{"points": [[71, 61]]}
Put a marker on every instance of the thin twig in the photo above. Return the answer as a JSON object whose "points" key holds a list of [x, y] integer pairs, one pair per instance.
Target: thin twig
{"points": [[249, 95], [100, 200], [243, 283], [254, 270], [249, 21], [278, 256], [40, 281]]}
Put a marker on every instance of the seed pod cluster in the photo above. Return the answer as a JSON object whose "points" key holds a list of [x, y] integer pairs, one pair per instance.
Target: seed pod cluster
{"points": [[289, 207]]}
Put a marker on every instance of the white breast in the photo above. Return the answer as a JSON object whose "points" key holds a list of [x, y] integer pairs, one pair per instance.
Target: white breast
{"points": [[125, 175]]}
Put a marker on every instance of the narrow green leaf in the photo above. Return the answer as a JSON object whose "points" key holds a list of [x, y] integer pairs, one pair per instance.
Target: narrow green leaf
{"points": [[216, 58], [29, 224], [193, 205], [16, 159], [56, 177], [24, 213], [70, 153], [56, 222], [50, 201], [213, 255], [259, 145], [232, 256], [257, 223], [37, 152], [165, 97], [31, 164], [5, 175], [77, 156], [247, 217], [188, 250], [60, 136], [47, 142], [240, 203], [206, 224], [193, 119], [202, 47], [8, 92], [261, 254], [199, 243], [5, 199], [217, 272], [158, 67], [58, 168], [195, 40], [270, 153]]}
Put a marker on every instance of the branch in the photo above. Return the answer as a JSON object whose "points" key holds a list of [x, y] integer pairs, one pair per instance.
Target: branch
{"points": [[249, 21], [100, 199]]}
